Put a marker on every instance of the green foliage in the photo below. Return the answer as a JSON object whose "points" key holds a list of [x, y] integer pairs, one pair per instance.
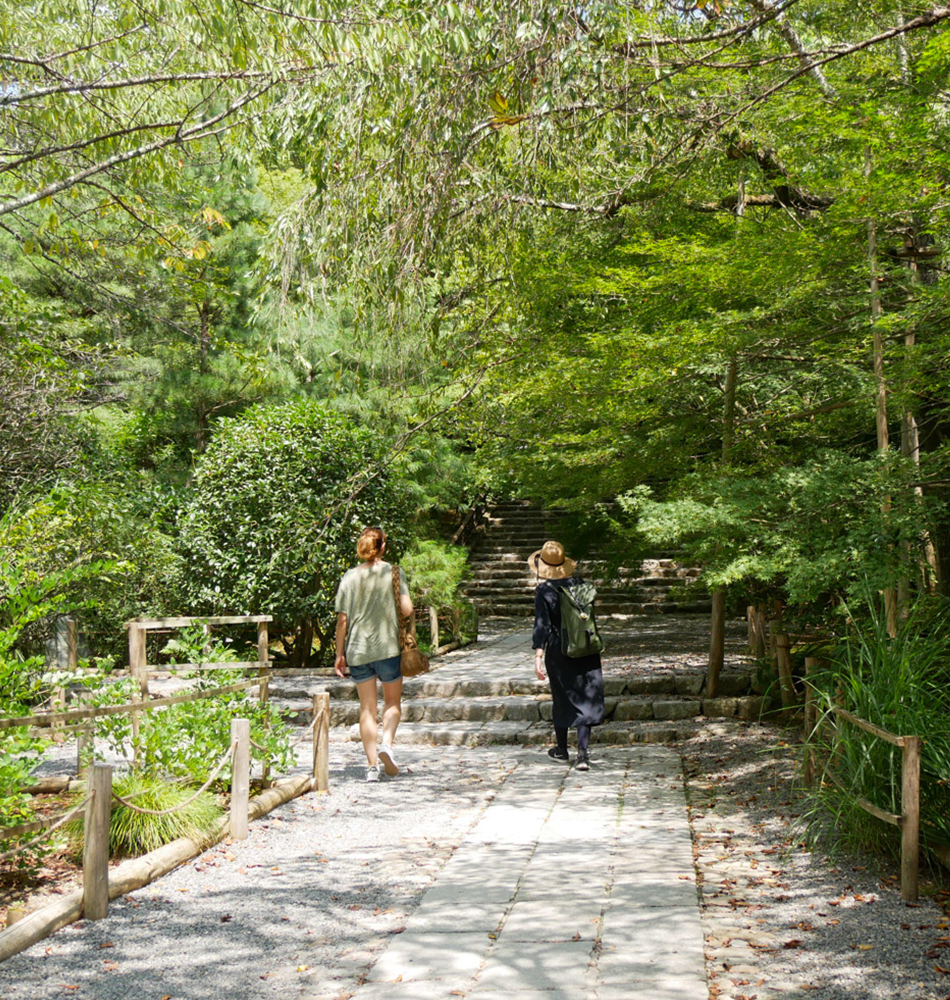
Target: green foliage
{"points": [[47, 374], [194, 645], [436, 571], [185, 741], [102, 548], [814, 531], [900, 684], [279, 500], [133, 833], [18, 755]]}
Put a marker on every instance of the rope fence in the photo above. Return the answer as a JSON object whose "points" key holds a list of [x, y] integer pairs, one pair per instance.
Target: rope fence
{"points": [[181, 805], [48, 826], [98, 802]]}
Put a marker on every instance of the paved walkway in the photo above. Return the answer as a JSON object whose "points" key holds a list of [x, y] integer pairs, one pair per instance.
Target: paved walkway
{"points": [[579, 887]]}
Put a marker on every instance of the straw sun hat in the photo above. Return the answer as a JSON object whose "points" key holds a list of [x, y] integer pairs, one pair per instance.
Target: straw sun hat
{"points": [[550, 563]]}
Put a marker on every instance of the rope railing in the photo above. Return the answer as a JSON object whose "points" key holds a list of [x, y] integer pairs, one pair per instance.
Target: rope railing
{"points": [[47, 830], [181, 805], [305, 733]]}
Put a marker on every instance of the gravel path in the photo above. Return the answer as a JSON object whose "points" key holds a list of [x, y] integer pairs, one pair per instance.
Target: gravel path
{"points": [[305, 906], [783, 921], [300, 909]]}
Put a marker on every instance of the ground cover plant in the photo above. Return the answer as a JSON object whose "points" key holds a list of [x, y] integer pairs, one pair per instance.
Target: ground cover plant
{"points": [[900, 683]]}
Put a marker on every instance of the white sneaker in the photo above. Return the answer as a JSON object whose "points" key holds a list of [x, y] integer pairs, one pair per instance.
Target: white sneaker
{"points": [[372, 773], [388, 760]]}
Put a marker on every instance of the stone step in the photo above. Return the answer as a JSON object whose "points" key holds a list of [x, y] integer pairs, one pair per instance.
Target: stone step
{"points": [[502, 585], [429, 686], [528, 722], [488, 586], [490, 569], [633, 698]]}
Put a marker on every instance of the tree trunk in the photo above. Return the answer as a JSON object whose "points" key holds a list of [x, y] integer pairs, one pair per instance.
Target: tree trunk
{"points": [[880, 395], [717, 630]]}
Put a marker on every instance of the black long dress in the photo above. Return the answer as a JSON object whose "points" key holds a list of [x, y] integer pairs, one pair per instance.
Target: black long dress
{"points": [[577, 684]]}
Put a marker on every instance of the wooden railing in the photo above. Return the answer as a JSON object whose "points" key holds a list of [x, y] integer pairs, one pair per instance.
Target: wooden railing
{"points": [[141, 671], [908, 821]]}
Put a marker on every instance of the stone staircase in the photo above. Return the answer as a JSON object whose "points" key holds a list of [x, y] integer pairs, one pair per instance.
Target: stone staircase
{"points": [[487, 712], [488, 694], [502, 584]]}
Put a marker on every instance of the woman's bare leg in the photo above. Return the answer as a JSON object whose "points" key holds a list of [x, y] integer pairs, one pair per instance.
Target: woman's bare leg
{"points": [[392, 709], [367, 693]]}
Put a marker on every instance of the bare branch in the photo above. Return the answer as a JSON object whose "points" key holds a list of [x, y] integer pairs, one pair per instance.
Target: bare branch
{"points": [[80, 87], [197, 131]]}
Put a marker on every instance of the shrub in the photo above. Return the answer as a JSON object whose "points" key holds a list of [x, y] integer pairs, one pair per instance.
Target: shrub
{"points": [[279, 499], [436, 571], [100, 549]]}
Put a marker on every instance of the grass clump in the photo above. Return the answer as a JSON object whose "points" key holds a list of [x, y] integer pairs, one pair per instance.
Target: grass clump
{"points": [[902, 685], [132, 833]]}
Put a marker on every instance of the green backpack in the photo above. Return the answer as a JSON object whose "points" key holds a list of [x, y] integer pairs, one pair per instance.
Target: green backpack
{"points": [[579, 635]]}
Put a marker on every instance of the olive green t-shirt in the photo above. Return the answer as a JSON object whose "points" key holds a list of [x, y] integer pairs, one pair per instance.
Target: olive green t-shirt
{"points": [[365, 596]]}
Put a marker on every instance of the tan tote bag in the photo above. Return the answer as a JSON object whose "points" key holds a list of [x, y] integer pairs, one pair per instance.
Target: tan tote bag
{"points": [[412, 661]]}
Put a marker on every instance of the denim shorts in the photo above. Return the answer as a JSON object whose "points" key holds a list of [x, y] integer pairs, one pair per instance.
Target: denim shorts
{"points": [[386, 670]]}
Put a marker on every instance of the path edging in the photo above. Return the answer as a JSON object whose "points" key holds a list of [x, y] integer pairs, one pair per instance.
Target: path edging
{"points": [[138, 872]]}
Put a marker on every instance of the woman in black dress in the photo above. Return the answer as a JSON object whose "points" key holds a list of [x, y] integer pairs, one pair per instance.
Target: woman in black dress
{"points": [[577, 684]]}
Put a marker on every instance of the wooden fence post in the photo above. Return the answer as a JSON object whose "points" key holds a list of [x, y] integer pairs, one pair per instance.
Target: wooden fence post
{"points": [[434, 627], [717, 634], [63, 627], [784, 658], [910, 818], [811, 721], [95, 848], [321, 741], [263, 674], [85, 741], [138, 668], [262, 656], [240, 777]]}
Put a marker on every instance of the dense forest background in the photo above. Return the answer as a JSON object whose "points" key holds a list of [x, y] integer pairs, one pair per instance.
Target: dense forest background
{"points": [[274, 271]]}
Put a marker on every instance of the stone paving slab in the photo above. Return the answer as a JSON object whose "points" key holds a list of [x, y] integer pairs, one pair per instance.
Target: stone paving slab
{"points": [[568, 886], [549, 965]]}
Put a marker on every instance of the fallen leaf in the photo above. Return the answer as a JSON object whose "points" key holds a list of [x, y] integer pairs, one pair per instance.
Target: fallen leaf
{"points": [[864, 947], [107, 944], [794, 943], [110, 966], [302, 968], [941, 969]]}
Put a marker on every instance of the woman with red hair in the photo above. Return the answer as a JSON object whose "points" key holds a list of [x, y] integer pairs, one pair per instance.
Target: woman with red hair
{"points": [[367, 641]]}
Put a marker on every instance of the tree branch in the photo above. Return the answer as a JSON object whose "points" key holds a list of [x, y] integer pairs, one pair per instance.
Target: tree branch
{"points": [[197, 131]]}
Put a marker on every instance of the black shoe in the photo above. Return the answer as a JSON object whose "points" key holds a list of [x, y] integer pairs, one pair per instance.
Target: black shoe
{"points": [[583, 761], [555, 754]]}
